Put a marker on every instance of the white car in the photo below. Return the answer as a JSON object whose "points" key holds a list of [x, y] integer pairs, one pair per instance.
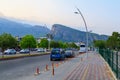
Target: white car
{"points": [[40, 50], [25, 51], [10, 51]]}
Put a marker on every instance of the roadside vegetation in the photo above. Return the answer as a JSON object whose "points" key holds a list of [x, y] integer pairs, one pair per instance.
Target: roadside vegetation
{"points": [[113, 42], [7, 41], [28, 41]]}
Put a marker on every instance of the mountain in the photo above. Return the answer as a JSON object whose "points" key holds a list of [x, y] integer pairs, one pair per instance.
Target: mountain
{"points": [[20, 29], [59, 32], [67, 34]]}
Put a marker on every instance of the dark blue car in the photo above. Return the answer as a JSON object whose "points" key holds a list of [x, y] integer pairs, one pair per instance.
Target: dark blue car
{"points": [[57, 54]]}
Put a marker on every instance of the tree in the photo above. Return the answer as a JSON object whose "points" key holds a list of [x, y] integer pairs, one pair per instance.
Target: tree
{"points": [[7, 41], [113, 41], [28, 41], [43, 43], [54, 44], [61, 44], [65, 45], [100, 44], [73, 45]]}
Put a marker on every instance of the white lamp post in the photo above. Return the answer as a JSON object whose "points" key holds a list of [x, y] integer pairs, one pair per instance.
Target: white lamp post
{"points": [[79, 12]]}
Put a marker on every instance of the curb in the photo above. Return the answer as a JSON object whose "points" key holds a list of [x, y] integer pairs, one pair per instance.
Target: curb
{"points": [[22, 56]]}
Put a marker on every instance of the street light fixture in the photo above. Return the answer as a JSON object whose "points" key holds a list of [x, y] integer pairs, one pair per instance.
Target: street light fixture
{"points": [[79, 12], [50, 37]]}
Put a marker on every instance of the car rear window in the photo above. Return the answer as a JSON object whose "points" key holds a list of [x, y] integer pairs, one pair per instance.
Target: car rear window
{"points": [[82, 45], [55, 52]]}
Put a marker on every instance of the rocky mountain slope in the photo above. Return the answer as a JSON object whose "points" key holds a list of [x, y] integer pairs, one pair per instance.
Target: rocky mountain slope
{"points": [[64, 33]]}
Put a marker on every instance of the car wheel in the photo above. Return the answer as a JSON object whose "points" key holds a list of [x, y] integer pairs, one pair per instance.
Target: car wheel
{"points": [[51, 59]]}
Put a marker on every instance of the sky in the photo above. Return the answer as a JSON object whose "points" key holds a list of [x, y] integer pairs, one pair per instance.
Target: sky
{"points": [[101, 16]]}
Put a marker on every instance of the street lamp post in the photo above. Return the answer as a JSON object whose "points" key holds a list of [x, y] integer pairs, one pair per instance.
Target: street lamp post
{"points": [[50, 37], [49, 43], [79, 12]]}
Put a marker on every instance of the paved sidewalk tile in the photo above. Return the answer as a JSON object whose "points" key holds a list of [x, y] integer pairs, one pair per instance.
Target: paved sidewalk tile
{"points": [[93, 67]]}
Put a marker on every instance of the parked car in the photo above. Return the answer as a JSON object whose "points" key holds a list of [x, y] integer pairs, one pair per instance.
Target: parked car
{"points": [[10, 51], [40, 50], [25, 51], [57, 54], [69, 53], [33, 49]]}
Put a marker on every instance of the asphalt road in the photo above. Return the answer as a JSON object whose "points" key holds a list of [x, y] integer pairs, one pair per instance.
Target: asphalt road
{"points": [[13, 69]]}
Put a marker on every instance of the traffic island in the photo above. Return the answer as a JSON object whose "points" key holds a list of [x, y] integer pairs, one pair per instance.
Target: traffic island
{"points": [[17, 56]]}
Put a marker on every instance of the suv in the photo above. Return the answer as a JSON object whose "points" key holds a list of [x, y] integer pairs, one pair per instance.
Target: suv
{"points": [[57, 54]]}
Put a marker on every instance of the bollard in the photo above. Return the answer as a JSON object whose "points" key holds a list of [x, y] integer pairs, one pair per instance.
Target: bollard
{"points": [[57, 64], [46, 69], [37, 71], [52, 65], [53, 71]]}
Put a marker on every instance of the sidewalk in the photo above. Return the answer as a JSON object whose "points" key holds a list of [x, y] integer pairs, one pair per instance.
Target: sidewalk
{"points": [[92, 68], [83, 67]]}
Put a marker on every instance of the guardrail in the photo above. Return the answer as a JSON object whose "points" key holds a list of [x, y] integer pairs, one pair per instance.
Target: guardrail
{"points": [[113, 59]]}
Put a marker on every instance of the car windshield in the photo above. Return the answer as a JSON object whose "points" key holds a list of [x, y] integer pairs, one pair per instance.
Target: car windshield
{"points": [[55, 52], [82, 45], [22, 50], [8, 50]]}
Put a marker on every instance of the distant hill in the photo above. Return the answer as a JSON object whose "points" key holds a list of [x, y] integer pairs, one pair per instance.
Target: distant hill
{"points": [[60, 32], [20, 29], [67, 34]]}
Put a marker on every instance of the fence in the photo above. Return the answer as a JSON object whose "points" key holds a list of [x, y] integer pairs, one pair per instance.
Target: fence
{"points": [[113, 59]]}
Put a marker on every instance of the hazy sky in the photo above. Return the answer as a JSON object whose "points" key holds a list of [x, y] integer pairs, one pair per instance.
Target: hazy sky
{"points": [[102, 16]]}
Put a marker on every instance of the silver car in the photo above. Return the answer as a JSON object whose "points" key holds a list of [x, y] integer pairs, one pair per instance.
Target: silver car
{"points": [[10, 51]]}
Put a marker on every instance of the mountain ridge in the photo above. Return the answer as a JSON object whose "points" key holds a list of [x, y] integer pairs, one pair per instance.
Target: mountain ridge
{"points": [[20, 29], [65, 33], [59, 31]]}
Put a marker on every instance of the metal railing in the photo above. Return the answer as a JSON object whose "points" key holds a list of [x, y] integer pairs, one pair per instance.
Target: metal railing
{"points": [[113, 59]]}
